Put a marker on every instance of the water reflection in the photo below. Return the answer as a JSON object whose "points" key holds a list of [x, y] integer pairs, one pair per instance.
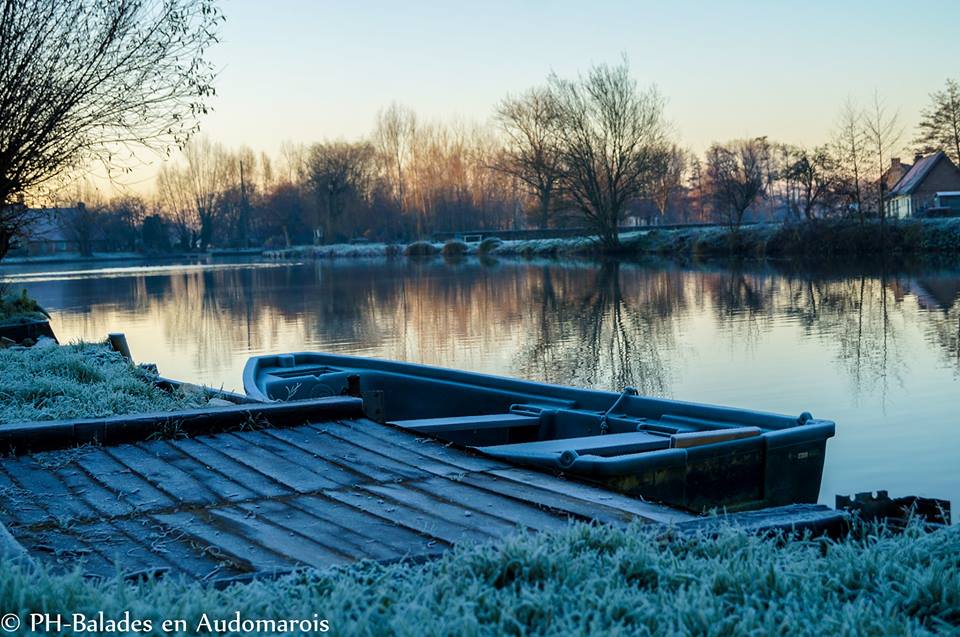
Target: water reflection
{"points": [[877, 349]]}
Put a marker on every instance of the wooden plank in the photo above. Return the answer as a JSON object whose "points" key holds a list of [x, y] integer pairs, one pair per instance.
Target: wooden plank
{"points": [[65, 550], [19, 506], [411, 456], [84, 486], [179, 485], [404, 540], [309, 457], [698, 438], [561, 503], [348, 542], [126, 553], [277, 468], [410, 518], [519, 512], [220, 543], [297, 548], [455, 512], [224, 465], [225, 488], [175, 547], [123, 482], [610, 444], [361, 460], [53, 494], [428, 446], [467, 423]]}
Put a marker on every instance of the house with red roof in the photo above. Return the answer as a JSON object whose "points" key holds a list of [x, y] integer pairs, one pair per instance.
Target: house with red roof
{"points": [[931, 186]]}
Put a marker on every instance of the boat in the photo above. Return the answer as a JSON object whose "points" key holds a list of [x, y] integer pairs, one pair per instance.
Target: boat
{"points": [[692, 456]]}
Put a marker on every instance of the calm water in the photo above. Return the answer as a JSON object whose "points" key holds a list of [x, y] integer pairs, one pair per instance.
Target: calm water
{"points": [[874, 349]]}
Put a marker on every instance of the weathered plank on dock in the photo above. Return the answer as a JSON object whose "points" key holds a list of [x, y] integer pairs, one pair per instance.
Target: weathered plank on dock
{"points": [[237, 503]]}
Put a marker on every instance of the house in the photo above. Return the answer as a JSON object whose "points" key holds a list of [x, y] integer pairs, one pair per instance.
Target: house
{"points": [[52, 231], [933, 182]]}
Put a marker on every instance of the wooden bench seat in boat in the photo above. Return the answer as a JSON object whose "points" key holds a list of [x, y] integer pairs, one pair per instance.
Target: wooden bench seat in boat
{"points": [[606, 445], [460, 423]]}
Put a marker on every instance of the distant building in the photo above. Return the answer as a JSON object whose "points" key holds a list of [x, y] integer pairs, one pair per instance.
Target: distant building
{"points": [[933, 182], [54, 231]]}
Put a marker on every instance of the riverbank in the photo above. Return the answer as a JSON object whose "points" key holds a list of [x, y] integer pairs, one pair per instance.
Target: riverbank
{"points": [[583, 580], [81, 380], [819, 239]]}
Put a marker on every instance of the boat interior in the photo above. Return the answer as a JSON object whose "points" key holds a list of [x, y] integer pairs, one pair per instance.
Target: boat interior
{"points": [[507, 417]]}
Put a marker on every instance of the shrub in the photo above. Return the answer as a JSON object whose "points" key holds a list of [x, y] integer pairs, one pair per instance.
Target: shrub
{"points": [[16, 308], [454, 248], [489, 245], [421, 249]]}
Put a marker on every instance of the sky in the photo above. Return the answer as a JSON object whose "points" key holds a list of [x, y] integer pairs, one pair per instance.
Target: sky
{"points": [[305, 71]]}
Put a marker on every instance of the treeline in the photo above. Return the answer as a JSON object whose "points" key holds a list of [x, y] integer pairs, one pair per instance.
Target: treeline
{"points": [[596, 150]]}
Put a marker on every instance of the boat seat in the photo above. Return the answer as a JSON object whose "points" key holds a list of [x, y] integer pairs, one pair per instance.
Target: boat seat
{"points": [[606, 445], [461, 423]]}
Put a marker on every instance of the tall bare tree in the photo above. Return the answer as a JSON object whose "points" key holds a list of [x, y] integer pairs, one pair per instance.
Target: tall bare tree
{"points": [[206, 170], [609, 137], [340, 172], [939, 129], [176, 202], [531, 155], [883, 133], [394, 132], [851, 155], [738, 175], [667, 179], [91, 80]]}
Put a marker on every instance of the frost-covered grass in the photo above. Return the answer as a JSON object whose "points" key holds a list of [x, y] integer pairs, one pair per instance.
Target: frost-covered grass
{"points": [[588, 580], [79, 381]]}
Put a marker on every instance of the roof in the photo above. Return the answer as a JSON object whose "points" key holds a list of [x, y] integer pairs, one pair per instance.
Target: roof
{"points": [[915, 176]]}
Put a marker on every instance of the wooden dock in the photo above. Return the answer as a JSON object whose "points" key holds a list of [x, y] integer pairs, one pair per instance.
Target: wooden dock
{"points": [[224, 504]]}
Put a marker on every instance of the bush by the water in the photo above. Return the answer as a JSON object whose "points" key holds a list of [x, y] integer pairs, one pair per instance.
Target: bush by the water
{"points": [[82, 380], [421, 249], [489, 244], [454, 248], [587, 580], [19, 308]]}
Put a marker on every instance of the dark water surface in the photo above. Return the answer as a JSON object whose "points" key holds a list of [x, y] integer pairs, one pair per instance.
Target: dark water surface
{"points": [[876, 349]]}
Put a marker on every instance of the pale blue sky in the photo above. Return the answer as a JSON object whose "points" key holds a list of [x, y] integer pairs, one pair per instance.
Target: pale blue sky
{"points": [[304, 71]]}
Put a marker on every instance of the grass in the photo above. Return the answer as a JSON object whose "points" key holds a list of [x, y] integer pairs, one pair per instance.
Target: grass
{"points": [[82, 380], [582, 581]]}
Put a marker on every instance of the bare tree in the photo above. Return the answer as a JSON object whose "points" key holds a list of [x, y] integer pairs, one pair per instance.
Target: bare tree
{"points": [[531, 154], [339, 172], [810, 177], [667, 179], [883, 133], [850, 152], [609, 137], [206, 171], [176, 202], [396, 126], [939, 129], [83, 80], [738, 176]]}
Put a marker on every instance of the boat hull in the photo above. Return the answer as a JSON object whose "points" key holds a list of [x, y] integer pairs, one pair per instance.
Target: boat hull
{"points": [[644, 447]]}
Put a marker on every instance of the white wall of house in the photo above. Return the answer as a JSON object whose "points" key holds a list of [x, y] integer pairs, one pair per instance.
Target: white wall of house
{"points": [[900, 207]]}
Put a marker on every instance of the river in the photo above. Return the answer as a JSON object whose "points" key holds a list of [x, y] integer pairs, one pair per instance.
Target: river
{"points": [[877, 349]]}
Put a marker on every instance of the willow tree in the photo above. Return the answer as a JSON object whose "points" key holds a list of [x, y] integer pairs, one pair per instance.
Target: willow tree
{"points": [[84, 82], [610, 140]]}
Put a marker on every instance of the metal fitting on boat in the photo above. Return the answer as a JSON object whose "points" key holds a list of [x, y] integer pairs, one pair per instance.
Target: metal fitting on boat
{"points": [[567, 458], [805, 417]]}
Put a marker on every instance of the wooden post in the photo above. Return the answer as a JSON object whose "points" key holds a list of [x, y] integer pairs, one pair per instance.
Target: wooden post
{"points": [[118, 342]]}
